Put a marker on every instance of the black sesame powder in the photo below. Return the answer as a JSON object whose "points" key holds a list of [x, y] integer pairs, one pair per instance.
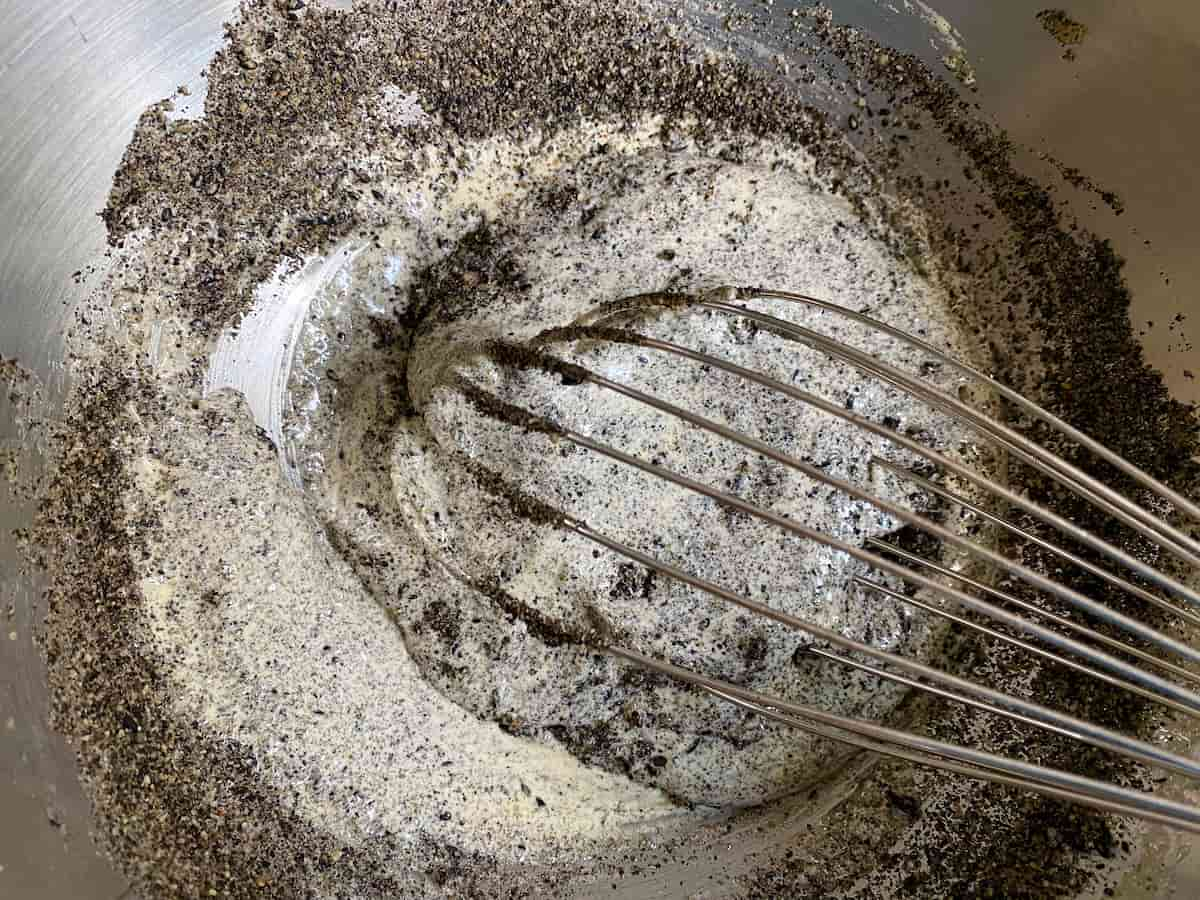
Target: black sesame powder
{"points": [[186, 815]]}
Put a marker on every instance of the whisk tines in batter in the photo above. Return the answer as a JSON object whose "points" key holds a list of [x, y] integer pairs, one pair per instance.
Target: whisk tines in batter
{"points": [[1133, 653]]}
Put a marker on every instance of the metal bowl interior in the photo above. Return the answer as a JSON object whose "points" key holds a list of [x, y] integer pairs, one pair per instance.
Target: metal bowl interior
{"points": [[76, 77]]}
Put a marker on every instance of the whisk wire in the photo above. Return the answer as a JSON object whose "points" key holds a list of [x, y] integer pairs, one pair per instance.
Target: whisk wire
{"points": [[1028, 536], [939, 754], [1063, 592], [1079, 482], [1061, 524], [1027, 646], [1038, 779], [1031, 633], [1063, 622], [1176, 499], [1063, 723]]}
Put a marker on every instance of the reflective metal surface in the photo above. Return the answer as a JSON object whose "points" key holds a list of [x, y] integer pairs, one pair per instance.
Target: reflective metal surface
{"points": [[75, 76]]}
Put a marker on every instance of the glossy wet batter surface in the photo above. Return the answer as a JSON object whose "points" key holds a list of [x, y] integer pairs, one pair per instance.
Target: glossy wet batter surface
{"points": [[251, 607]]}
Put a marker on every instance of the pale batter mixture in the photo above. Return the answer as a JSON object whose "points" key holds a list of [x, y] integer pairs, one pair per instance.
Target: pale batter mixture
{"points": [[445, 675], [302, 638]]}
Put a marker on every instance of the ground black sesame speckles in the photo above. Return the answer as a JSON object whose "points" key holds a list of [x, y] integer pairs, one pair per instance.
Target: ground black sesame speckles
{"points": [[188, 817], [1063, 29]]}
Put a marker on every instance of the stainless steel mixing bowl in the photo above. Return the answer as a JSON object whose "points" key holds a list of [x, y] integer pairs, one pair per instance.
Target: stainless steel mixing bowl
{"points": [[74, 77]]}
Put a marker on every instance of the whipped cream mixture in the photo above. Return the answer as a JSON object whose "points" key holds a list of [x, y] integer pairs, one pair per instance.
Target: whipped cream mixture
{"points": [[373, 622]]}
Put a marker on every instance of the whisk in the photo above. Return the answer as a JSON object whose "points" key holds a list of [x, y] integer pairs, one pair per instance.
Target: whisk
{"points": [[1141, 660]]}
